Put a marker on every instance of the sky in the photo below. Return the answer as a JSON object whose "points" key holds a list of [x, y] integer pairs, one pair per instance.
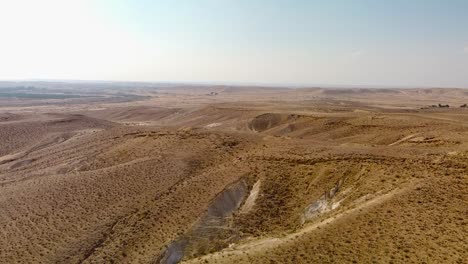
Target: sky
{"points": [[284, 42]]}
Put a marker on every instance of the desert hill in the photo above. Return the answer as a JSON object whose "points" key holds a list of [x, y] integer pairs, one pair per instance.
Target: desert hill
{"points": [[219, 174]]}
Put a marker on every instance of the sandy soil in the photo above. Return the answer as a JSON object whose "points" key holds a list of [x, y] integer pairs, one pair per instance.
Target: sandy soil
{"points": [[120, 180]]}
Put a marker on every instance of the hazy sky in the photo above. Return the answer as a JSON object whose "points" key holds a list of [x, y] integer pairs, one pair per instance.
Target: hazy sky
{"points": [[397, 42]]}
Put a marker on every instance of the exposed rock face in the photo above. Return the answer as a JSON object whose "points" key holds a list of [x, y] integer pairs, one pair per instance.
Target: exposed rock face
{"points": [[323, 204], [316, 208], [174, 252], [213, 226], [250, 201]]}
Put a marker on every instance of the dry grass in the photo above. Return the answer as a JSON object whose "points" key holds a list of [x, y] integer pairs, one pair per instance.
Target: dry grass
{"points": [[91, 188]]}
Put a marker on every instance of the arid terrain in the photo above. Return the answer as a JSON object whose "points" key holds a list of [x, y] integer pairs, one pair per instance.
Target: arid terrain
{"points": [[168, 173]]}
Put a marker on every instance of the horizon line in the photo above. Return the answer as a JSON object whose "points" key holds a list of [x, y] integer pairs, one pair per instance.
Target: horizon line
{"points": [[241, 84]]}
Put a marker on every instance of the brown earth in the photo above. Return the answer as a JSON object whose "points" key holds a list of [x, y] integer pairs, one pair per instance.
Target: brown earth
{"points": [[340, 176]]}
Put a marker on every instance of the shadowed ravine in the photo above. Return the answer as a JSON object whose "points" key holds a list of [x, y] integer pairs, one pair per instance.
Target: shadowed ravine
{"points": [[213, 226]]}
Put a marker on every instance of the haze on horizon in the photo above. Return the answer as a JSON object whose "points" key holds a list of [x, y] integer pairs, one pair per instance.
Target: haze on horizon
{"points": [[401, 43]]}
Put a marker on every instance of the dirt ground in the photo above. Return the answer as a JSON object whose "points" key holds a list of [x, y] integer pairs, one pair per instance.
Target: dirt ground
{"points": [[331, 175]]}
